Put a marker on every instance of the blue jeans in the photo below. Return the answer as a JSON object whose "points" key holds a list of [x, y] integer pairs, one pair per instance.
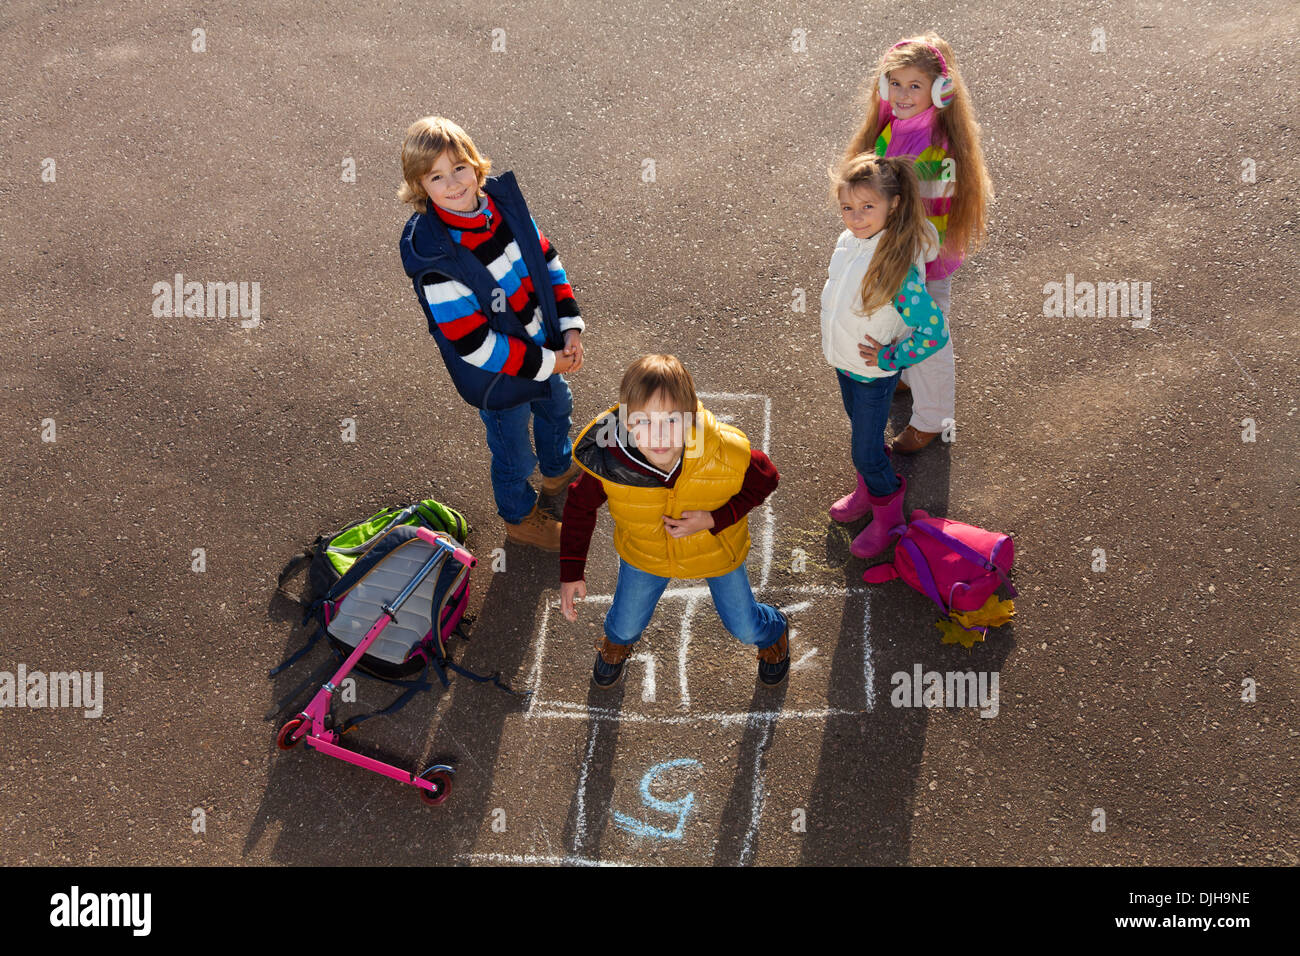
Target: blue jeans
{"points": [[868, 406], [513, 459], [637, 594]]}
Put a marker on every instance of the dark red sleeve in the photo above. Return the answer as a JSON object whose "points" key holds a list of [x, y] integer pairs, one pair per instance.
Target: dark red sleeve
{"points": [[586, 495], [761, 479]]}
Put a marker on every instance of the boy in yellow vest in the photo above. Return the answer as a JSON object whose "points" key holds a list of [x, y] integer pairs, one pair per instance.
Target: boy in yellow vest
{"points": [[680, 485]]}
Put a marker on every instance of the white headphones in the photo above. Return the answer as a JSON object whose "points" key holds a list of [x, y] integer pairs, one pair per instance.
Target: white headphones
{"points": [[941, 91]]}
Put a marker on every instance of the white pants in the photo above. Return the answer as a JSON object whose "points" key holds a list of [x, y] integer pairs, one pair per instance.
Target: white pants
{"points": [[933, 380]]}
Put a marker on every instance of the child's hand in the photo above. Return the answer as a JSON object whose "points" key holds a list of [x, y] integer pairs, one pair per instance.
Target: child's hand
{"points": [[870, 351], [573, 348], [689, 523], [563, 363], [571, 591]]}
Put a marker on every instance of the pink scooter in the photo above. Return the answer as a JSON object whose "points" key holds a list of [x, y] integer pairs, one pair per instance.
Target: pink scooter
{"points": [[315, 723]]}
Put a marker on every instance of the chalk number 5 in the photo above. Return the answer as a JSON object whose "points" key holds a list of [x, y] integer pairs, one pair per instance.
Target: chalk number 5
{"points": [[679, 808]]}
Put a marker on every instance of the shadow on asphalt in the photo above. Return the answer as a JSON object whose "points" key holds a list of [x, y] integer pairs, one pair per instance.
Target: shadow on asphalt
{"points": [[327, 812], [583, 829], [738, 836], [860, 805]]}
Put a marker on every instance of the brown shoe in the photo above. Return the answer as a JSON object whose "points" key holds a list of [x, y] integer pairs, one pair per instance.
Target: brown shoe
{"points": [[610, 657], [911, 441], [553, 486], [774, 660], [538, 529]]}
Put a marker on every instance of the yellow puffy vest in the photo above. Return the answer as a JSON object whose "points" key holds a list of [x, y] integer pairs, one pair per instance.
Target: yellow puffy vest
{"points": [[708, 480]]}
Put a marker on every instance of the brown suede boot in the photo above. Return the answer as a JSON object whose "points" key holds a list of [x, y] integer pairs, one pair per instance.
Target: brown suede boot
{"points": [[610, 659], [538, 529], [553, 486], [911, 441]]}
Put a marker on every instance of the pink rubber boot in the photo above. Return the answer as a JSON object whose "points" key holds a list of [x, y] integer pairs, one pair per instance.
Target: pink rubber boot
{"points": [[853, 505], [887, 524], [856, 503]]}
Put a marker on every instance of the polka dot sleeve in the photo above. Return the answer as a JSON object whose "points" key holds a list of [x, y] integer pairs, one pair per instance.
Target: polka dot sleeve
{"points": [[929, 328]]}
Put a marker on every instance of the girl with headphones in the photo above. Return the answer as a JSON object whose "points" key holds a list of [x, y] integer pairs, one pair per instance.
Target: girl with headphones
{"points": [[919, 107]]}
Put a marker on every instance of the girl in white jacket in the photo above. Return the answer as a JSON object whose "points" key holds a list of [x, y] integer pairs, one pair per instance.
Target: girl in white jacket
{"points": [[877, 318]]}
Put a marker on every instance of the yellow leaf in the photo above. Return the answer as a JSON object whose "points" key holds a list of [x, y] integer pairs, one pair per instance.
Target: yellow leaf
{"points": [[994, 613], [954, 633]]}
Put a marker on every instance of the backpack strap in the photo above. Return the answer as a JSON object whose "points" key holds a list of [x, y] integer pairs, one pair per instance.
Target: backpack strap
{"points": [[292, 658], [441, 665], [413, 687], [494, 677], [928, 587], [966, 551]]}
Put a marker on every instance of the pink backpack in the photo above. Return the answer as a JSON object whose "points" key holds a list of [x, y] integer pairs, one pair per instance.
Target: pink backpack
{"points": [[957, 566]]}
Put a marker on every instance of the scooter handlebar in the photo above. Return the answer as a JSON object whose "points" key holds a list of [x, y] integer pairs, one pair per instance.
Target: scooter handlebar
{"points": [[459, 553]]}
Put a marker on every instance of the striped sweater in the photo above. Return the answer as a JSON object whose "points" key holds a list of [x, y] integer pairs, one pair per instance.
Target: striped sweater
{"points": [[917, 136], [456, 310]]}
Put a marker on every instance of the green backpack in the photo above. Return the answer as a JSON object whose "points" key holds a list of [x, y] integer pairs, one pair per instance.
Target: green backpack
{"points": [[332, 555]]}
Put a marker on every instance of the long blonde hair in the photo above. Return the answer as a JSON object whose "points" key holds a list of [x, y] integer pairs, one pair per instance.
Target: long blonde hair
{"points": [[905, 233], [956, 123]]}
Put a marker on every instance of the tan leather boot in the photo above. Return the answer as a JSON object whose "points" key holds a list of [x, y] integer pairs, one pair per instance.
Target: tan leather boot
{"points": [[538, 529], [610, 658], [553, 486], [774, 661], [911, 441]]}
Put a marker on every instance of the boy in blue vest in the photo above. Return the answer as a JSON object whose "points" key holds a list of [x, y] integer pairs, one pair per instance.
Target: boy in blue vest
{"points": [[502, 311]]}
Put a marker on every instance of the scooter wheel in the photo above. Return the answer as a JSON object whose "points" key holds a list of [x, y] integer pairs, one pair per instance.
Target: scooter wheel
{"points": [[441, 781], [285, 740]]}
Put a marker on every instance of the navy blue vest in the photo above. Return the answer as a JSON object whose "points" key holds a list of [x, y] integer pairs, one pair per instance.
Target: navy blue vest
{"points": [[427, 246]]}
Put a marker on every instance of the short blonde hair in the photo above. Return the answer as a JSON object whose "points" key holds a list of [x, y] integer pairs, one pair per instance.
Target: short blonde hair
{"points": [[658, 373], [426, 140]]}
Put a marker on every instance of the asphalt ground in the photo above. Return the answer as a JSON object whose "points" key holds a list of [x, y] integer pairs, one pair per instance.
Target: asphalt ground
{"points": [[1121, 690]]}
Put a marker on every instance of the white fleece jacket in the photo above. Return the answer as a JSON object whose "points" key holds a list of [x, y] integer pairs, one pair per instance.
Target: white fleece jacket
{"points": [[843, 326]]}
